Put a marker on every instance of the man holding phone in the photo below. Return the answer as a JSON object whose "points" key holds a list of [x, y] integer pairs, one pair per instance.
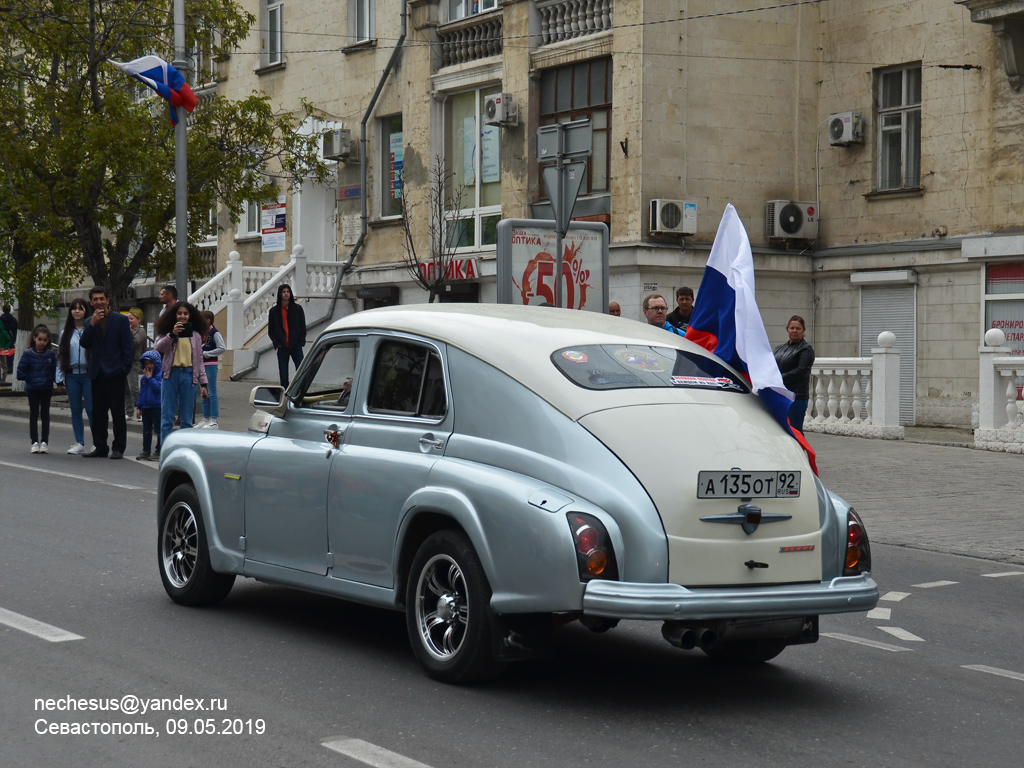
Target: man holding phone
{"points": [[108, 336]]}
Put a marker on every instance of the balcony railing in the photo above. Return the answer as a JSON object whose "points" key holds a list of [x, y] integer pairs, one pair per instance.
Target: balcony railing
{"points": [[474, 37], [569, 19]]}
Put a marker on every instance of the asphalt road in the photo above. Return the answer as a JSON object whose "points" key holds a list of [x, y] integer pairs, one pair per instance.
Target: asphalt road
{"points": [[938, 680]]}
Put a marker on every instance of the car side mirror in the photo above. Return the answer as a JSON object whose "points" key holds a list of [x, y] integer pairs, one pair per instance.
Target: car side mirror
{"points": [[269, 398]]}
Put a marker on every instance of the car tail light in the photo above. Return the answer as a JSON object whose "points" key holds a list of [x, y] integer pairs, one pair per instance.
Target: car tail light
{"points": [[594, 554], [858, 550]]}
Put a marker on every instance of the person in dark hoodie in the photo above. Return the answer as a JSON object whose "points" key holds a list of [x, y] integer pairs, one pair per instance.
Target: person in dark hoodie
{"points": [[286, 327], [38, 369], [148, 405], [795, 358]]}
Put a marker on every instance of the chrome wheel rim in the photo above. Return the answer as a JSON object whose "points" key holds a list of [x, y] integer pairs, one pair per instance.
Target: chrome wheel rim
{"points": [[179, 544], [442, 609]]}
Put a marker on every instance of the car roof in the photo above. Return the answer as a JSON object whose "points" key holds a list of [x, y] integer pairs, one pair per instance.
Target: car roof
{"points": [[519, 341]]}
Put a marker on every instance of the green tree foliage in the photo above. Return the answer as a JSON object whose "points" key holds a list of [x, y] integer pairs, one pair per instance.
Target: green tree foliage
{"points": [[87, 168]]}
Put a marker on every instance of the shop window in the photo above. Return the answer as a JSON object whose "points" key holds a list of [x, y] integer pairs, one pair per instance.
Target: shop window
{"points": [[1004, 303], [391, 166], [898, 117], [473, 165]]}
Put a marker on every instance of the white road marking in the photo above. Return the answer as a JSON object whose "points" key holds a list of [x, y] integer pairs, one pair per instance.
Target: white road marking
{"points": [[902, 634], [862, 641], [894, 597], [1004, 573], [371, 754], [37, 628], [931, 584], [995, 671], [75, 477], [882, 614]]}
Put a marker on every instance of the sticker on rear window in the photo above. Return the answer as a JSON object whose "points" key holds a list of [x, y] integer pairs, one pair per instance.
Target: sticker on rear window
{"points": [[642, 360], [574, 356], [601, 378], [720, 382]]}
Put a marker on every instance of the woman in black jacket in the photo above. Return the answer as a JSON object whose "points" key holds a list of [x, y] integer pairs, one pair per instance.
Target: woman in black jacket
{"points": [[286, 327], [795, 359]]}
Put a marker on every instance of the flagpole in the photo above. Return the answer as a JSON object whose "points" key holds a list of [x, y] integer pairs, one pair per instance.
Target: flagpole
{"points": [[180, 162]]}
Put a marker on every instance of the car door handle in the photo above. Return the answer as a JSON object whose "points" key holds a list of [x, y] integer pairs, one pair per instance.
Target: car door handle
{"points": [[438, 444], [334, 435]]}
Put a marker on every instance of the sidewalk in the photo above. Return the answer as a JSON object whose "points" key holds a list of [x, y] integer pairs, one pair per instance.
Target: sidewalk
{"points": [[925, 492]]}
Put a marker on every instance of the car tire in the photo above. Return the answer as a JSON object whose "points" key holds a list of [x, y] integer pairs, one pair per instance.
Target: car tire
{"points": [[744, 652], [448, 611], [184, 555]]}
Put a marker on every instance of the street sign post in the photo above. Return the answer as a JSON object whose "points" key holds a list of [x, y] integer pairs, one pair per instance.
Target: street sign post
{"points": [[557, 144]]}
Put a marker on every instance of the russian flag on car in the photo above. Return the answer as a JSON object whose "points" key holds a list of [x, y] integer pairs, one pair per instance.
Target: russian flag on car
{"points": [[162, 78], [726, 321]]}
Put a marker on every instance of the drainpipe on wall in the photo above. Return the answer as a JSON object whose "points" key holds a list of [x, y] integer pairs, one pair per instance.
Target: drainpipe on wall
{"points": [[363, 160]]}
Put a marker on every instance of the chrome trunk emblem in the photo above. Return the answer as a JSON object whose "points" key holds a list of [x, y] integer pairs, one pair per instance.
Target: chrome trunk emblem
{"points": [[748, 517]]}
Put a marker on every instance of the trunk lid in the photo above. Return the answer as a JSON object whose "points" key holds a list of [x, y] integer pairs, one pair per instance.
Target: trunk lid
{"points": [[666, 446]]}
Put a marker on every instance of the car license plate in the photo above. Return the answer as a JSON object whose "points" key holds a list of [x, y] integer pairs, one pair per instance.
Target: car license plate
{"points": [[747, 485]]}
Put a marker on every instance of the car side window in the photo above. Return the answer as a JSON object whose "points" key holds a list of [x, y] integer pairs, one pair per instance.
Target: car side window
{"points": [[408, 380], [330, 383]]}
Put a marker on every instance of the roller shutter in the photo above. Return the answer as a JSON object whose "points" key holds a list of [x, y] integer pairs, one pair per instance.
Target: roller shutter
{"points": [[893, 308]]}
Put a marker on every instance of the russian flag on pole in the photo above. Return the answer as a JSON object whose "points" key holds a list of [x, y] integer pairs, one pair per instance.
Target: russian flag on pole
{"points": [[726, 321], [162, 78]]}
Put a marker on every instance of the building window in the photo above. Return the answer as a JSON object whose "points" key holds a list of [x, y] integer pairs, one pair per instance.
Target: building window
{"points": [[204, 61], [210, 225], [361, 20], [460, 9], [391, 166], [272, 40], [898, 100], [1004, 303], [473, 162], [249, 221], [576, 92]]}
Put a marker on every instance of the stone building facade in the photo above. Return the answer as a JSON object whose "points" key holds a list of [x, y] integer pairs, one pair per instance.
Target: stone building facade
{"points": [[917, 200]]}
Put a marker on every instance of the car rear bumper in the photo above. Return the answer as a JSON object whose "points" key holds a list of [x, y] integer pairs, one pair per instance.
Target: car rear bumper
{"points": [[671, 602]]}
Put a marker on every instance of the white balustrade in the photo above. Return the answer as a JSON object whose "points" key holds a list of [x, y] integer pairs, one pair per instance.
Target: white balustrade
{"points": [[568, 19], [1000, 407], [857, 395]]}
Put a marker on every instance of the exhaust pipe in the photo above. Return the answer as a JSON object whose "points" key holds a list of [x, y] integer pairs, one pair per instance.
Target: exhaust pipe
{"points": [[708, 639], [679, 636]]}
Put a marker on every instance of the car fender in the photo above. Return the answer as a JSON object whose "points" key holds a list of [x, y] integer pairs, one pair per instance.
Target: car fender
{"points": [[526, 551], [224, 466], [840, 507]]}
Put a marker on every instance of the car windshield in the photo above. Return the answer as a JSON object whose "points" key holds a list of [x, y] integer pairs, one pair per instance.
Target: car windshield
{"points": [[622, 366]]}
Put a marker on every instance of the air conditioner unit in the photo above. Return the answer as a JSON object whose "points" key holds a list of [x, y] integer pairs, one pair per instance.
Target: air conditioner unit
{"points": [[676, 217], [500, 109], [789, 220], [337, 144], [845, 128]]}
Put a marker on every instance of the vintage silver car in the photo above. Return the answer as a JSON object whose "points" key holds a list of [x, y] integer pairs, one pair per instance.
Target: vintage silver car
{"points": [[496, 471]]}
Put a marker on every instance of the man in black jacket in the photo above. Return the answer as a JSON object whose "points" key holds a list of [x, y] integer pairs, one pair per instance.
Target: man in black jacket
{"points": [[109, 337], [286, 327], [680, 316]]}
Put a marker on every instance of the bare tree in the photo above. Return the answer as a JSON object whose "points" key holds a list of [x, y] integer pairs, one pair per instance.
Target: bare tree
{"points": [[432, 272]]}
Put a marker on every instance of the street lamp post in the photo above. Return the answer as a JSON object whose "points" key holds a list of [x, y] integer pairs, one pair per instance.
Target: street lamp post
{"points": [[180, 162]]}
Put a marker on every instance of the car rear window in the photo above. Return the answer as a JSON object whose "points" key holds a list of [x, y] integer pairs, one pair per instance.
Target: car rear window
{"points": [[622, 366]]}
